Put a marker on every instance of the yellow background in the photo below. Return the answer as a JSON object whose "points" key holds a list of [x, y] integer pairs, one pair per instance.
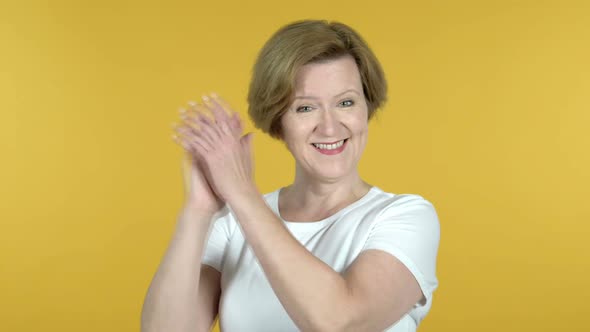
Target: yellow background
{"points": [[488, 117]]}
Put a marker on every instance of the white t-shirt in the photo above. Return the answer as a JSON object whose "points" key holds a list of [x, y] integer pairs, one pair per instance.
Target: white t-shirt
{"points": [[404, 225]]}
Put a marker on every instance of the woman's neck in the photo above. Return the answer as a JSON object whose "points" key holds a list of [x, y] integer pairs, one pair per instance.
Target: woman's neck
{"points": [[312, 199]]}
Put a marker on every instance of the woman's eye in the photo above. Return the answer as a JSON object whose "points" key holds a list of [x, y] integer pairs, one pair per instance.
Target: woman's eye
{"points": [[347, 103], [304, 109]]}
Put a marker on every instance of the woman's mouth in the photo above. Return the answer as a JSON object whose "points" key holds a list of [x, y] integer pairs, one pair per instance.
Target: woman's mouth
{"points": [[331, 149]]}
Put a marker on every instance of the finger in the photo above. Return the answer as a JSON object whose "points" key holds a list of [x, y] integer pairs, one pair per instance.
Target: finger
{"points": [[207, 132], [205, 111], [199, 141], [191, 131], [226, 129], [186, 144], [224, 104], [221, 126], [186, 130], [235, 126], [190, 118], [192, 113], [237, 123], [200, 147], [180, 141], [182, 111], [185, 137], [191, 103], [232, 117], [200, 120], [247, 141], [193, 106], [179, 129], [219, 112]]}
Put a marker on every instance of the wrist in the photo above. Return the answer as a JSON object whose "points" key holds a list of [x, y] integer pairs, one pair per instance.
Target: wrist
{"points": [[197, 211], [242, 193], [194, 222]]}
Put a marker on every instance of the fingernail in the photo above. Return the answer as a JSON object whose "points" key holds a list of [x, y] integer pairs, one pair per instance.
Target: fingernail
{"points": [[192, 103], [205, 98], [214, 95]]}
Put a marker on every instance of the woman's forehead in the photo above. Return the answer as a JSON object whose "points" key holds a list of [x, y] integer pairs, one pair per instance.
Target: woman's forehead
{"points": [[327, 78]]}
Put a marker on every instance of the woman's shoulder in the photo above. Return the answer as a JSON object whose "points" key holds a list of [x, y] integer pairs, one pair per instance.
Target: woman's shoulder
{"points": [[390, 199], [406, 208], [405, 205]]}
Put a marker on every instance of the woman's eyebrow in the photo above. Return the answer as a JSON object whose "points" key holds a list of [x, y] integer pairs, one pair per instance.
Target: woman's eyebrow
{"points": [[341, 93]]}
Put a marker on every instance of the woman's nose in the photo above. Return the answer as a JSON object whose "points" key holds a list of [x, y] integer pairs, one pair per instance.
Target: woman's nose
{"points": [[327, 123]]}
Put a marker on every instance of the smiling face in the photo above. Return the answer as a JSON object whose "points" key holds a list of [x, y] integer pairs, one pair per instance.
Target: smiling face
{"points": [[326, 126]]}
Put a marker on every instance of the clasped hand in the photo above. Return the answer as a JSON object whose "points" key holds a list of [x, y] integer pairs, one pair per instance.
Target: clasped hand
{"points": [[212, 133]]}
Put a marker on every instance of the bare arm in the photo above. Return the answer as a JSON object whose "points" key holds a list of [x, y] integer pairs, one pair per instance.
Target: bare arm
{"points": [[176, 301], [184, 293], [376, 291]]}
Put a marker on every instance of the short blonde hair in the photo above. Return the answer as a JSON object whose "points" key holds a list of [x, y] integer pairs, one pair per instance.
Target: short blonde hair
{"points": [[296, 44]]}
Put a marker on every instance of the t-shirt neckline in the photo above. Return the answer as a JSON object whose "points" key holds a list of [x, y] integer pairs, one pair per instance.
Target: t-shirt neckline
{"points": [[319, 223]]}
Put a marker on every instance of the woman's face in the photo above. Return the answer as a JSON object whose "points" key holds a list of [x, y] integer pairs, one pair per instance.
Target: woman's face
{"points": [[329, 108]]}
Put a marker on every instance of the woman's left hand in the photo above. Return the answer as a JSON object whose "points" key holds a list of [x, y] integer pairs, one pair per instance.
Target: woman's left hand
{"points": [[226, 152]]}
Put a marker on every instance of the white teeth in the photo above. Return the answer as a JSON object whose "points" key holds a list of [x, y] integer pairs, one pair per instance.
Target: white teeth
{"points": [[329, 146]]}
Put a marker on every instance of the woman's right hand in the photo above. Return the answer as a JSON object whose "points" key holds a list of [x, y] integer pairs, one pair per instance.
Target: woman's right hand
{"points": [[199, 195]]}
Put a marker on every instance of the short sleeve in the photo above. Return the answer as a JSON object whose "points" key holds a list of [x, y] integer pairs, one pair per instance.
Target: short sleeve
{"points": [[218, 239], [408, 228]]}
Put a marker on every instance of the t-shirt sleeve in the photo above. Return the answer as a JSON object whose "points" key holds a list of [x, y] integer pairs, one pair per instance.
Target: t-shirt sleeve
{"points": [[408, 228], [218, 239]]}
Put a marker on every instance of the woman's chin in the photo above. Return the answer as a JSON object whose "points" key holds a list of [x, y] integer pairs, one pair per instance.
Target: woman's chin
{"points": [[331, 173]]}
